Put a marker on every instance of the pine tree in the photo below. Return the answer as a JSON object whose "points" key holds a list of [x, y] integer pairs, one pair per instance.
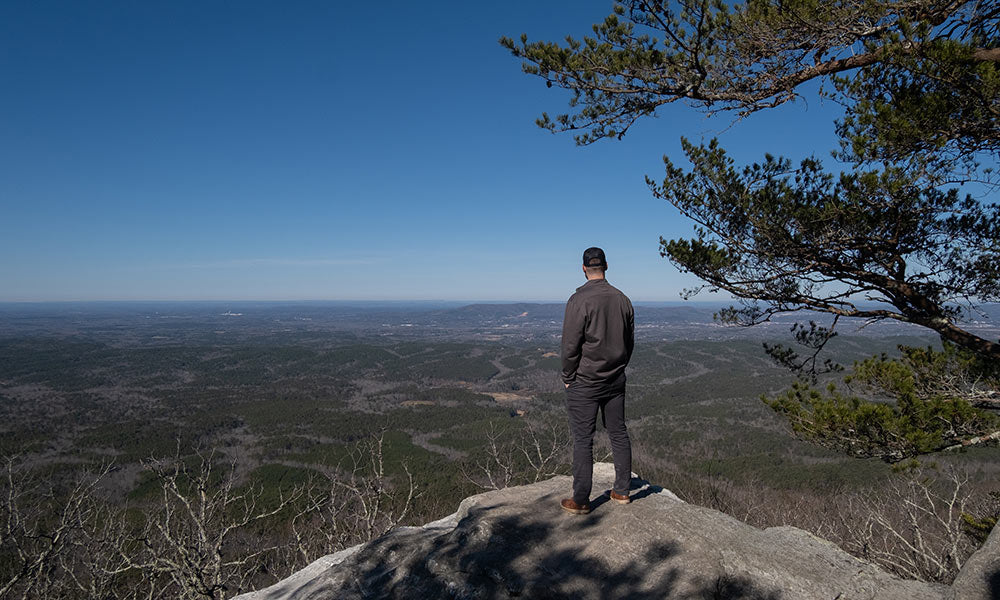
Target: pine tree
{"points": [[892, 236]]}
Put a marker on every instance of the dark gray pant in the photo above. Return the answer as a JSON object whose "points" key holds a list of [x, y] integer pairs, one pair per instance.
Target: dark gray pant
{"points": [[584, 399]]}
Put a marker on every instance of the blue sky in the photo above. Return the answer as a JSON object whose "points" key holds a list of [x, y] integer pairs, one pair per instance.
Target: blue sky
{"points": [[324, 150]]}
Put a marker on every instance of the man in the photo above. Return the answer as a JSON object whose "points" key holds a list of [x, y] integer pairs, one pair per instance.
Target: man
{"points": [[597, 341]]}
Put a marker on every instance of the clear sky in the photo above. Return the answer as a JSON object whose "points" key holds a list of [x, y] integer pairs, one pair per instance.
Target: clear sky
{"points": [[324, 150]]}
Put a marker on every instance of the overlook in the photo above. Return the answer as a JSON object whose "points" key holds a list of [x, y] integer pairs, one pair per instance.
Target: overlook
{"points": [[283, 282], [516, 543], [180, 451]]}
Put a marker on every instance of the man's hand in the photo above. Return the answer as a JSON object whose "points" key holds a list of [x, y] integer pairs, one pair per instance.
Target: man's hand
{"points": [[565, 385]]}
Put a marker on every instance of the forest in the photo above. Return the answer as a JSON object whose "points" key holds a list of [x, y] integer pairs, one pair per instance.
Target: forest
{"points": [[194, 458]]}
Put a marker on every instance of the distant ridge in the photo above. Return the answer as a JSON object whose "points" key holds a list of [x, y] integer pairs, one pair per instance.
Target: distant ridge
{"points": [[554, 311], [481, 320]]}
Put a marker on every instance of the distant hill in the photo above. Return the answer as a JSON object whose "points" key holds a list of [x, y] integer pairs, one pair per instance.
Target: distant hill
{"points": [[520, 319], [485, 313]]}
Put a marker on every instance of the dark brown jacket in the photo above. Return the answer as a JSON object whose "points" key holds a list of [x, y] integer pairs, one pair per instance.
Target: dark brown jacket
{"points": [[598, 333]]}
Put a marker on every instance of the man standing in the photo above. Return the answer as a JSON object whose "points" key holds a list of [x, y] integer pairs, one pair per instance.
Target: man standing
{"points": [[597, 341]]}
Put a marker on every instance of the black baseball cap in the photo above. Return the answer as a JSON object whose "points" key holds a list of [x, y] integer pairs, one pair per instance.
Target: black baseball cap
{"points": [[594, 257]]}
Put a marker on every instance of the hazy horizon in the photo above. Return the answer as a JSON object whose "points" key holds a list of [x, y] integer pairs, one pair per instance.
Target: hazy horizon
{"points": [[348, 301]]}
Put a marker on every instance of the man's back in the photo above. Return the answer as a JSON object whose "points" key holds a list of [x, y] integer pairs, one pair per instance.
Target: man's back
{"points": [[598, 336], [598, 333]]}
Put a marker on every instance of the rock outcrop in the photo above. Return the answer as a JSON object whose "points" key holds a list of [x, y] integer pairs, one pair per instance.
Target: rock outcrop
{"points": [[518, 543], [979, 578]]}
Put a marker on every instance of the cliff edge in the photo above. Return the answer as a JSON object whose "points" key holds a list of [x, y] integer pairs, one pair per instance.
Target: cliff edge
{"points": [[518, 543]]}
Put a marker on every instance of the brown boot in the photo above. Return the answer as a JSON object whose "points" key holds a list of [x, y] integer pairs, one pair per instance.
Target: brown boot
{"points": [[620, 498], [572, 507]]}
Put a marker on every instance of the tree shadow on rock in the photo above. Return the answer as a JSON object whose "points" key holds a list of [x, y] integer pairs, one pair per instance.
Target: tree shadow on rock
{"points": [[538, 555], [729, 587]]}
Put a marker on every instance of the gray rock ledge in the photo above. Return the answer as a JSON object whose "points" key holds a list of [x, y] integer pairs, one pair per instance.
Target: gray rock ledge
{"points": [[518, 543]]}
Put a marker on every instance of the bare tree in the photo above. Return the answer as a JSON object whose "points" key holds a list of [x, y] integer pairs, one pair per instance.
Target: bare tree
{"points": [[41, 527], [204, 537], [355, 503], [495, 471], [535, 452], [914, 526], [923, 523], [190, 539], [101, 563]]}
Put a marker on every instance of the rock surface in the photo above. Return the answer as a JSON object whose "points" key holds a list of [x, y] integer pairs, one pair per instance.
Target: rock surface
{"points": [[517, 542], [979, 578]]}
